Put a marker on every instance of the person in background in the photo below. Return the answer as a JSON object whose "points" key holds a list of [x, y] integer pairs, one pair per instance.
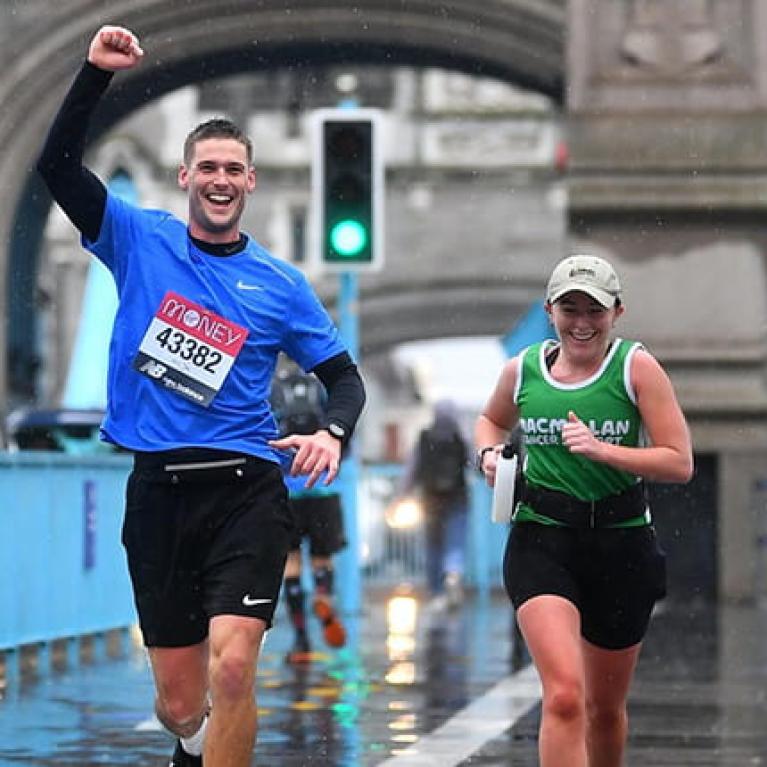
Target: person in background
{"points": [[582, 567], [203, 312], [436, 472], [298, 401]]}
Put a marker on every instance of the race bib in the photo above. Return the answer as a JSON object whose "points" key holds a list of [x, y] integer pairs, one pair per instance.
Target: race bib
{"points": [[189, 349]]}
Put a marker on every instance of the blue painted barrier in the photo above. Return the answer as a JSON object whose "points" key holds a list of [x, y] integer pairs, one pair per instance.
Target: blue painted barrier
{"points": [[487, 541], [62, 567]]}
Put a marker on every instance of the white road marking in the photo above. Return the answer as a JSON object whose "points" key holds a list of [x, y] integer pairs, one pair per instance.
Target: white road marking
{"points": [[481, 721]]}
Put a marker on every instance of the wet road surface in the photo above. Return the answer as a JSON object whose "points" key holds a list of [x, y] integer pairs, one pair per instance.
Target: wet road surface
{"points": [[418, 686]]}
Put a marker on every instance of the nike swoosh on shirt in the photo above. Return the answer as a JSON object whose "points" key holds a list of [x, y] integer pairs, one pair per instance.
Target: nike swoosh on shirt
{"points": [[244, 286], [248, 602]]}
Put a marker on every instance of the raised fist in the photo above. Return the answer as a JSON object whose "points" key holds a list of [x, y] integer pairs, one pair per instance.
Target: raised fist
{"points": [[114, 48]]}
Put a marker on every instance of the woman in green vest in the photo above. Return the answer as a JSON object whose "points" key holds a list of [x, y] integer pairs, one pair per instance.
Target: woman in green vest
{"points": [[583, 568]]}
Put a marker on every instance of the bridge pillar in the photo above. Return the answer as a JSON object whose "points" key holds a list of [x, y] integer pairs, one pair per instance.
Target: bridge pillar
{"points": [[665, 117]]}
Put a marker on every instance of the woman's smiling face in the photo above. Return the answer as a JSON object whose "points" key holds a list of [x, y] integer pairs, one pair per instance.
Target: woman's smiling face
{"points": [[582, 323]]}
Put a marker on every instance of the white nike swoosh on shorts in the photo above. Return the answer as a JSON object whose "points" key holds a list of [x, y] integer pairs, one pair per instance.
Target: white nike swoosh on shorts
{"points": [[248, 602]]}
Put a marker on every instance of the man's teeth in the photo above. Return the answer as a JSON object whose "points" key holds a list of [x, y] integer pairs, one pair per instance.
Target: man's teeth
{"points": [[222, 198]]}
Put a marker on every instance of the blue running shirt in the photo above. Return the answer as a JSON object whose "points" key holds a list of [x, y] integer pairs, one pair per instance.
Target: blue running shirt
{"points": [[196, 337]]}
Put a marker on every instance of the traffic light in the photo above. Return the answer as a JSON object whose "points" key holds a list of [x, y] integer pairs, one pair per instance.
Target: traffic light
{"points": [[347, 190]]}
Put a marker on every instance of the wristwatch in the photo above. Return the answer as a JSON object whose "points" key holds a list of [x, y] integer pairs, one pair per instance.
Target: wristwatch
{"points": [[337, 430], [481, 455]]}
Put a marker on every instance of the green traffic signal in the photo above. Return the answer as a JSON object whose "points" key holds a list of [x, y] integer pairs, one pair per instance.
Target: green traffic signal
{"points": [[347, 190], [348, 238]]}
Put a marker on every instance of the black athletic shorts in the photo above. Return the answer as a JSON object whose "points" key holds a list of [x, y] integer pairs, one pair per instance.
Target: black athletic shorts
{"points": [[613, 576], [319, 519], [204, 542]]}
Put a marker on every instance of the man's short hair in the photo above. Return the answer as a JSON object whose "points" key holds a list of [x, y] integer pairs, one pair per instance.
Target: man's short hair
{"points": [[218, 127]]}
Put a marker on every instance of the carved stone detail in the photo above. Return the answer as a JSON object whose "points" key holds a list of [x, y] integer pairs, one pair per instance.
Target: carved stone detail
{"points": [[671, 38], [669, 42], [670, 55]]}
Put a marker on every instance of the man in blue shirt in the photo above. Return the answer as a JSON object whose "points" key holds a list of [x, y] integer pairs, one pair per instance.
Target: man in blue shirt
{"points": [[203, 312]]}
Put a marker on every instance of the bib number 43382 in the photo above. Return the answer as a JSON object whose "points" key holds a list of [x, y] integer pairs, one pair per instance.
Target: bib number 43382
{"points": [[189, 349]]}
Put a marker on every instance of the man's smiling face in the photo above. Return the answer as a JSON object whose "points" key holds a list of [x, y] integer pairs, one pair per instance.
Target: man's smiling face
{"points": [[217, 179]]}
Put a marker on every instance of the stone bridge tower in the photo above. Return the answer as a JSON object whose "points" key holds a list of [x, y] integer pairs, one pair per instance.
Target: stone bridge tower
{"points": [[665, 113]]}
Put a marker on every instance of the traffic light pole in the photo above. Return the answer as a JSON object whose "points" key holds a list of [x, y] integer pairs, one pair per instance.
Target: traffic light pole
{"points": [[347, 215], [350, 582]]}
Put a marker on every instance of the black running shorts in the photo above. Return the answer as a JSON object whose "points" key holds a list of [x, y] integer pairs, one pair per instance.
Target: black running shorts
{"points": [[319, 519], [200, 546], [613, 576]]}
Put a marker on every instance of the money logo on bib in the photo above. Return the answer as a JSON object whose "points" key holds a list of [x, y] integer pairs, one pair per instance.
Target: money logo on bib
{"points": [[189, 349]]}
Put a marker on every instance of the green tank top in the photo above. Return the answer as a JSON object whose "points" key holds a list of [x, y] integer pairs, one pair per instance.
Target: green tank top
{"points": [[605, 402]]}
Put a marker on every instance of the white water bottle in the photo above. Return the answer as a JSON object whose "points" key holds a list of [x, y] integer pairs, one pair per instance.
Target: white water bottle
{"points": [[503, 491]]}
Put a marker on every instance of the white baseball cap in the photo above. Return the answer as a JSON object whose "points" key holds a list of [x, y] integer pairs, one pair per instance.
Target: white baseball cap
{"points": [[588, 274]]}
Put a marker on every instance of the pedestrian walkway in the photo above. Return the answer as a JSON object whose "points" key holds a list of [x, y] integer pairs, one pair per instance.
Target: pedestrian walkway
{"points": [[418, 686]]}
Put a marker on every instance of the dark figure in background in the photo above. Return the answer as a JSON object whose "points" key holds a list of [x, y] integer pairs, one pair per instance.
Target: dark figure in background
{"points": [[437, 471], [203, 312], [298, 401]]}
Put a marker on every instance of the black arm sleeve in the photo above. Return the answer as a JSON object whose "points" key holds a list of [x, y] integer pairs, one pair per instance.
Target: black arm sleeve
{"points": [[79, 193], [346, 391]]}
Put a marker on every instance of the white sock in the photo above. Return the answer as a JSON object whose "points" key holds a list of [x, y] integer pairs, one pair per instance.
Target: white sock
{"points": [[193, 745]]}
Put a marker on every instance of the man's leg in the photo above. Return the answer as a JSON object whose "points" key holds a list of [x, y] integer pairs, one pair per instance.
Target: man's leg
{"points": [[295, 599], [181, 683], [235, 643], [435, 542], [325, 534], [455, 552], [332, 628]]}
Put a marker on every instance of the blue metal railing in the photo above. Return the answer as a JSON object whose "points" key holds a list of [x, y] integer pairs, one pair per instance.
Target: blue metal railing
{"points": [[487, 541], [62, 568]]}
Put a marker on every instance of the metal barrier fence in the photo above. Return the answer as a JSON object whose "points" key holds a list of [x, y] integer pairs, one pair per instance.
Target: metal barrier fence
{"points": [[62, 567]]}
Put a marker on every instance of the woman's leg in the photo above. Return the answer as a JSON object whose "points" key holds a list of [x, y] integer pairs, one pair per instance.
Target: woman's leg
{"points": [[608, 676], [551, 627]]}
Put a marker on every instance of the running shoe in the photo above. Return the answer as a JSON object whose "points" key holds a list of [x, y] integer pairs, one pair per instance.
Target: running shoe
{"points": [[180, 758], [300, 652], [332, 628]]}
